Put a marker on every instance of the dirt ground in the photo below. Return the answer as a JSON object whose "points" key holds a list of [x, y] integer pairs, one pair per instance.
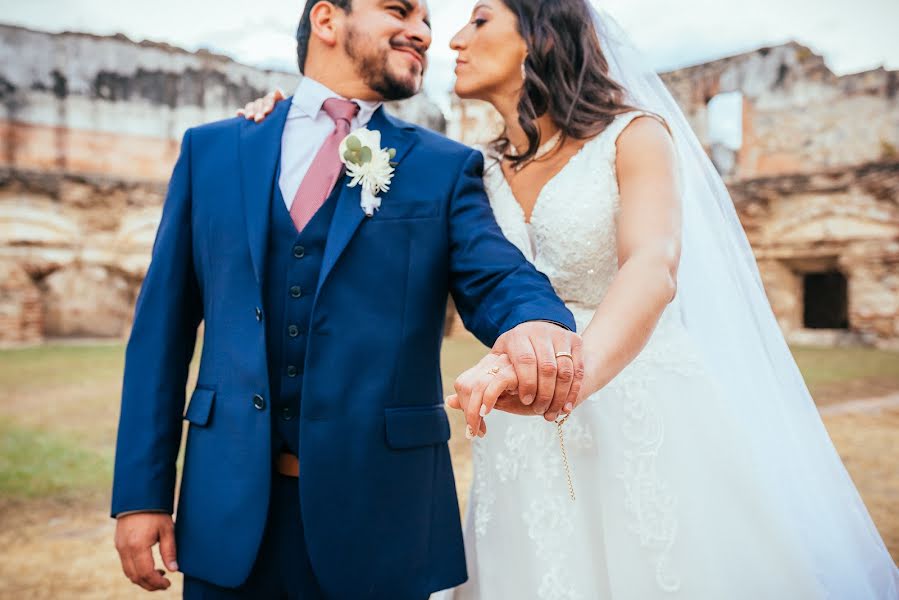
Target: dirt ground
{"points": [[63, 548], [60, 544]]}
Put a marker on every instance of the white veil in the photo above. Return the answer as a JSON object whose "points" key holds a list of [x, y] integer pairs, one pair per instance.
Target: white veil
{"points": [[727, 314]]}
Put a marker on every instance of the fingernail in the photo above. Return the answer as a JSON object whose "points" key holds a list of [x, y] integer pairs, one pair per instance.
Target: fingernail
{"points": [[569, 407], [528, 400], [469, 432], [173, 566], [482, 434], [483, 411], [539, 411]]}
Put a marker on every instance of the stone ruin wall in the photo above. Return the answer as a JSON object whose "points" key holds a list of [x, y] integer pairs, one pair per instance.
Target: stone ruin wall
{"points": [[798, 116], [91, 127], [89, 131], [815, 182]]}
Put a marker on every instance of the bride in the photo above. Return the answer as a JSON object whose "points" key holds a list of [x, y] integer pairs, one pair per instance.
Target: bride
{"points": [[694, 463]]}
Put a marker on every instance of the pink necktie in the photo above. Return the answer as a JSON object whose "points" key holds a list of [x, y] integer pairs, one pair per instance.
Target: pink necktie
{"points": [[326, 166]]}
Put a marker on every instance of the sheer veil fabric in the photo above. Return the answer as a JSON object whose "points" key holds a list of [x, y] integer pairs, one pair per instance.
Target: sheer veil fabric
{"points": [[729, 319]]}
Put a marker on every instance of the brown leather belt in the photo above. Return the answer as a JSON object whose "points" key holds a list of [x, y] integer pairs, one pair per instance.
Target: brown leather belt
{"points": [[288, 464]]}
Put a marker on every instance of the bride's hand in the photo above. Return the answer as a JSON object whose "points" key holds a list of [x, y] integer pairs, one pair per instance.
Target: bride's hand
{"points": [[490, 384], [258, 109]]}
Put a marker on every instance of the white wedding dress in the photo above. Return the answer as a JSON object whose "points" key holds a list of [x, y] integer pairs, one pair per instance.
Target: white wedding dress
{"points": [[669, 503]]}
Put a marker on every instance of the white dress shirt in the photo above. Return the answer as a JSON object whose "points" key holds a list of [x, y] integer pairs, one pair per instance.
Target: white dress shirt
{"points": [[306, 129]]}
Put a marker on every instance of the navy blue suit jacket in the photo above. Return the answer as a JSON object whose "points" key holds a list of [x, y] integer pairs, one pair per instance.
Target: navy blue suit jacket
{"points": [[377, 491]]}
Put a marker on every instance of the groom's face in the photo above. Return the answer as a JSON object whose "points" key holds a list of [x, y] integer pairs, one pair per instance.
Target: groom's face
{"points": [[388, 41]]}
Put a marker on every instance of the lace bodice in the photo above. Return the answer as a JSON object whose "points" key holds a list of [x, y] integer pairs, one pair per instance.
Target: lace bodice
{"points": [[572, 234]]}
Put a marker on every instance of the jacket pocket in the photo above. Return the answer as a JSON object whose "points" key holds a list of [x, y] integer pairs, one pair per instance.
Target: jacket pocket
{"points": [[413, 426], [200, 406], [395, 208]]}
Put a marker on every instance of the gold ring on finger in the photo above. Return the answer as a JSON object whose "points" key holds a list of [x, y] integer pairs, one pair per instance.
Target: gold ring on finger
{"points": [[561, 354], [493, 370]]}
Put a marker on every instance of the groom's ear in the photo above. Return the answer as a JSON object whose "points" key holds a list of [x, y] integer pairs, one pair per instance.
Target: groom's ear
{"points": [[324, 19], [320, 19]]}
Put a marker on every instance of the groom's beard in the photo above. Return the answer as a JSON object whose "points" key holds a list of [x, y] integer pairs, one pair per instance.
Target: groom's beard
{"points": [[373, 67]]}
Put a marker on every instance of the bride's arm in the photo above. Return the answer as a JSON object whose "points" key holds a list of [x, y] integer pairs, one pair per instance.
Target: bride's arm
{"points": [[649, 243]]}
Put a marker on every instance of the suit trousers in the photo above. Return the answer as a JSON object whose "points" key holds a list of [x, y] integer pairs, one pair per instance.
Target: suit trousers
{"points": [[282, 568]]}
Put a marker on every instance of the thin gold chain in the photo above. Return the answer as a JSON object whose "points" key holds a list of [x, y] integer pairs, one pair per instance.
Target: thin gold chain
{"points": [[559, 424]]}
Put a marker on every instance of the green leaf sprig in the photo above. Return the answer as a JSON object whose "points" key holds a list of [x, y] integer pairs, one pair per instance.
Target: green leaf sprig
{"points": [[358, 154]]}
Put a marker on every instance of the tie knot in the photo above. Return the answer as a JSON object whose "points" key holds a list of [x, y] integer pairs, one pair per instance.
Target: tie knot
{"points": [[341, 110]]}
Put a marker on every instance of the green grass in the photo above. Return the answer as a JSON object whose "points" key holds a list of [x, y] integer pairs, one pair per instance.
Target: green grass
{"points": [[59, 406], [37, 464], [827, 365], [833, 374], [60, 364]]}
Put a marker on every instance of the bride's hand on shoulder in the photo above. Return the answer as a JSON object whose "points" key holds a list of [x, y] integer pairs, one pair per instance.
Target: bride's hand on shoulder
{"points": [[258, 109]]}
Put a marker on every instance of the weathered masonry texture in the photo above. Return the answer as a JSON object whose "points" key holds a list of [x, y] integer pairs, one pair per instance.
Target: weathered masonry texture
{"points": [[90, 127]]}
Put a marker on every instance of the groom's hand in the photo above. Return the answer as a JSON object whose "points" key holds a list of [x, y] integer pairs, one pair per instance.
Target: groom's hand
{"points": [[548, 379], [135, 536]]}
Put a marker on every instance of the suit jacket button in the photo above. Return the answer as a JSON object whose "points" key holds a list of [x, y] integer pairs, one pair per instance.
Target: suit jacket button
{"points": [[291, 371], [258, 402], [293, 331], [299, 251], [258, 314], [296, 291]]}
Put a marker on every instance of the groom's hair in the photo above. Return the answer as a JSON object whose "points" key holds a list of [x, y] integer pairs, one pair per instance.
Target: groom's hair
{"points": [[304, 30]]}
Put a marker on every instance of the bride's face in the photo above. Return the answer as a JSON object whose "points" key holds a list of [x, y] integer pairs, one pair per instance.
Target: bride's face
{"points": [[490, 52]]}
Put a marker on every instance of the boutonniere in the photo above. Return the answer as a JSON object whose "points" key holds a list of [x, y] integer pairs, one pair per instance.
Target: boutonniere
{"points": [[367, 164]]}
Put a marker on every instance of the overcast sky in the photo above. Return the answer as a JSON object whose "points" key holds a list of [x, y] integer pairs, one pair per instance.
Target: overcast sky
{"points": [[852, 36]]}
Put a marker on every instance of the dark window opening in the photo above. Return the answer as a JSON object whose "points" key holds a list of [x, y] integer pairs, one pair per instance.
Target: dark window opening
{"points": [[826, 301]]}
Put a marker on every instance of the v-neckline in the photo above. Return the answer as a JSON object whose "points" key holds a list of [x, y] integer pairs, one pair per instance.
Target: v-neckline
{"points": [[529, 220]]}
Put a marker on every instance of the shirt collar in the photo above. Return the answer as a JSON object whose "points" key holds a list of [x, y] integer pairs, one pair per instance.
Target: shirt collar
{"points": [[310, 96]]}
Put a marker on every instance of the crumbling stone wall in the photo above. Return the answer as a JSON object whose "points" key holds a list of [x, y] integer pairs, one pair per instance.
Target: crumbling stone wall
{"points": [[90, 128]]}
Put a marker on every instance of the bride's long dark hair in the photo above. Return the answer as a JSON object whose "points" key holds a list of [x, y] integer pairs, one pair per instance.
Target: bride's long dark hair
{"points": [[566, 74]]}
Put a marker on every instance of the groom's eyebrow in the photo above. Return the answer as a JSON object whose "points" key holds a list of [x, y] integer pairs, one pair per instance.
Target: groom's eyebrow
{"points": [[411, 8]]}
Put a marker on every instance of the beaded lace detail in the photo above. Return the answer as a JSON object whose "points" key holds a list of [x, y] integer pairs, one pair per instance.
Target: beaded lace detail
{"points": [[573, 228]]}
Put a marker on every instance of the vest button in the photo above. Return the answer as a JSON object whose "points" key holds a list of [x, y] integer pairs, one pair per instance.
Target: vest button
{"points": [[299, 251], [258, 314], [291, 371], [287, 413], [296, 291], [258, 402], [293, 331]]}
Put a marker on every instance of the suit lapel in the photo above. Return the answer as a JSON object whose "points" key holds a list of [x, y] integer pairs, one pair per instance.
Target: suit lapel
{"points": [[260, 150], [348, 214]]}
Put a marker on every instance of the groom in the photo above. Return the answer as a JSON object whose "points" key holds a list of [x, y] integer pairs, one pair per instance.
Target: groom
{"points": [[316, 462]]}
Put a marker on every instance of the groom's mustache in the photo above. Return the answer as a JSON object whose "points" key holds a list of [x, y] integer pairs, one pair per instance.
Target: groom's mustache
{"points": [[419, 49]]}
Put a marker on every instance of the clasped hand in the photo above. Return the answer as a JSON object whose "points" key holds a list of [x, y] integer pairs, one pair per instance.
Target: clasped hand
{"points": [[534, 369]]}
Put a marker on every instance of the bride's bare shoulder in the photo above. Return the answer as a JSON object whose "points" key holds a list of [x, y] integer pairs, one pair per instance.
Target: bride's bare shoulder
{"points": [[646, 135]]}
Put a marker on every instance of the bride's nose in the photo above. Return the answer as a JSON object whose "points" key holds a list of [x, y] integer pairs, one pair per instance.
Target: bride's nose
{"points": [[458, 42]]}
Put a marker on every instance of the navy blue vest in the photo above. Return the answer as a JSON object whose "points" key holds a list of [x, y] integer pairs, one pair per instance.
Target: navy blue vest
{"points": [[293, 264]]}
